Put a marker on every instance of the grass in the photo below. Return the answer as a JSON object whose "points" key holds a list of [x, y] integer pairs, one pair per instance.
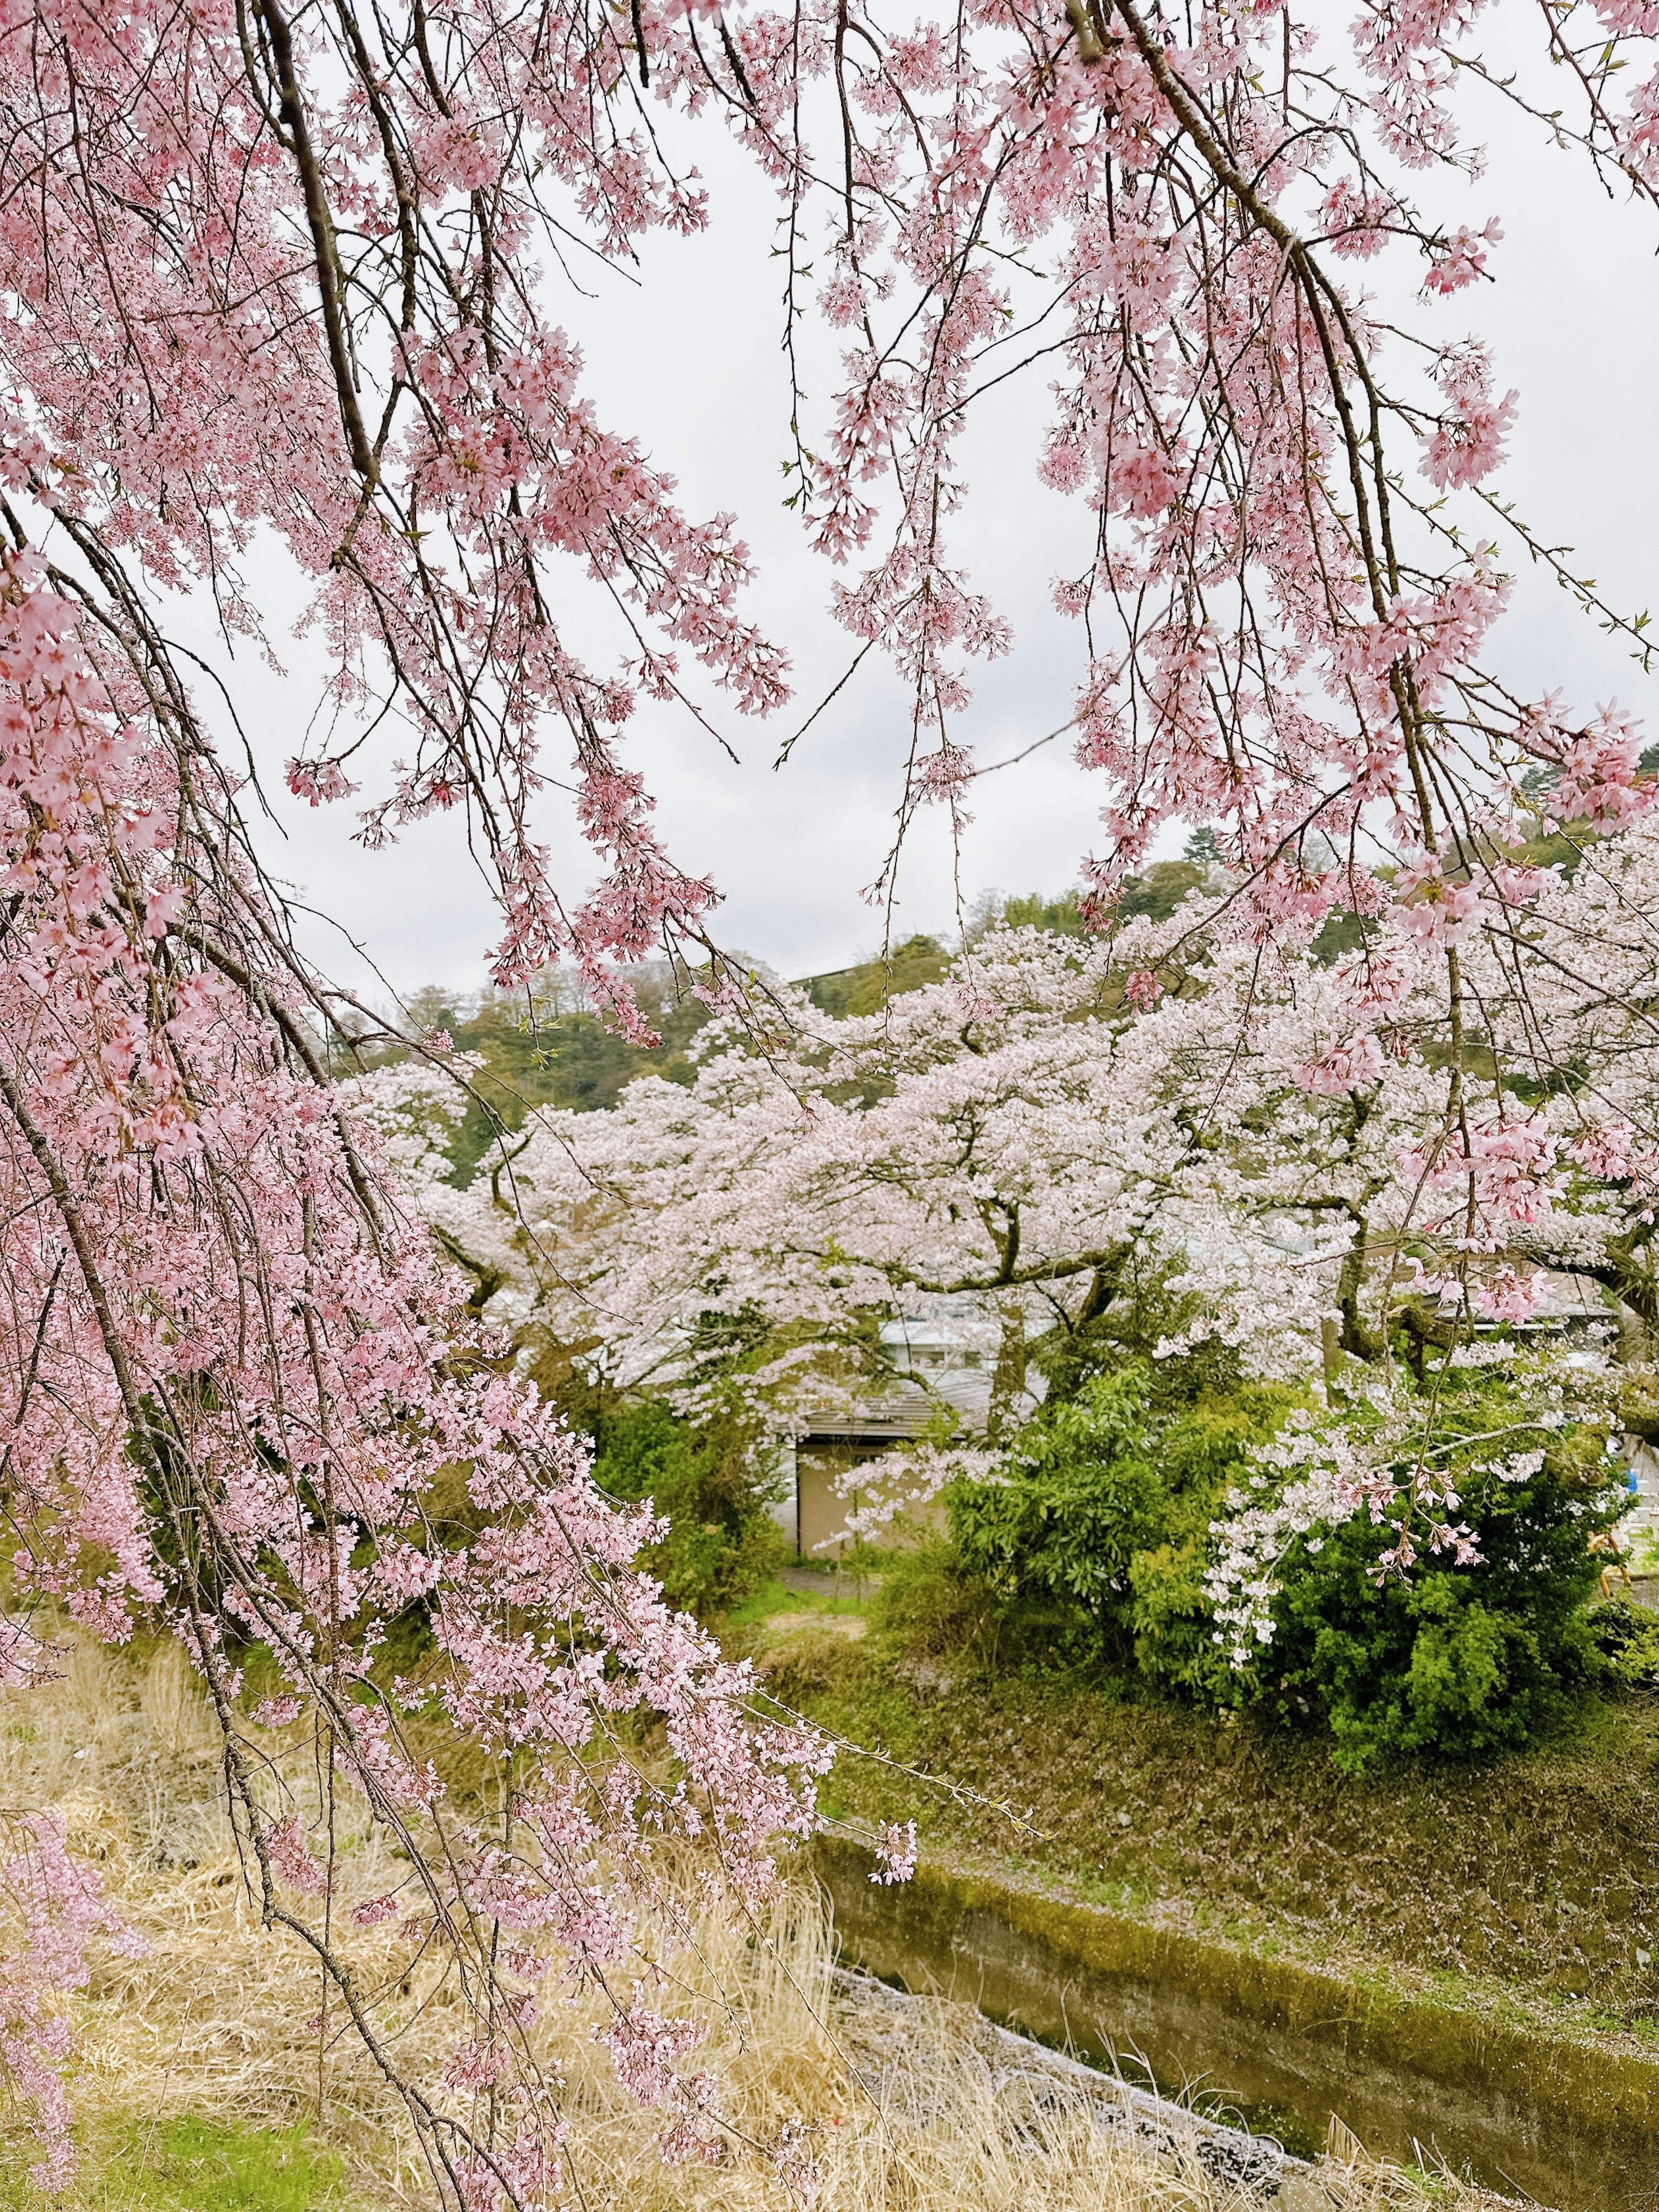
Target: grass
{"points": [[197, 2163], [1531, 1880], [192, 2164], [200, 2086], [772, 1597]]}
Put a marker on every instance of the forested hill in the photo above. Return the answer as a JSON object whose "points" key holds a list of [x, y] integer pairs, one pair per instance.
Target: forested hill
{"points": [[555, 1051]]}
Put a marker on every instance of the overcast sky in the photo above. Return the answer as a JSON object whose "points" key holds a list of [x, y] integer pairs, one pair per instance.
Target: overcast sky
{"points": [[688, 360]]}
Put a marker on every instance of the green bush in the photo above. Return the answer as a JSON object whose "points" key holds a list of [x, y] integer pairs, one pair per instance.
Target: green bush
{"points": [[1096, 1541], [1081, 1497], [1203, 1450], [1097, 1536], [1627, 1637], [1460, 1662], [722, 1542], [927, 1599]]}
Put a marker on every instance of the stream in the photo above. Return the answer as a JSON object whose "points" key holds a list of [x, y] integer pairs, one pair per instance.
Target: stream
{"points": [[1257, 2166]]}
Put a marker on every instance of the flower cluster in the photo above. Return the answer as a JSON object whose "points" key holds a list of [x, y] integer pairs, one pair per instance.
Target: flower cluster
{"points": [[241, 1367], [51, 1911]]}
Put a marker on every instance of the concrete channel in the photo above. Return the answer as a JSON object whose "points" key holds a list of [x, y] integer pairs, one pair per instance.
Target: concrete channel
{"points": [[1573, 2126]]}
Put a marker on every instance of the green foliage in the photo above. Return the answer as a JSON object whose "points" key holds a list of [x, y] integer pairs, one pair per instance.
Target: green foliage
{"points": [[929, 1600], [1098, 1533], [544, 1048], [866, 988], [1627, 1637], [722, 1542], [1203, 1450], [543, 1056], [1340, 933], [1139, 1313], [1097, 1543], [1082, 1496], [1460, 1662], [1160, 891], [1060, 917], [1157, 892]]}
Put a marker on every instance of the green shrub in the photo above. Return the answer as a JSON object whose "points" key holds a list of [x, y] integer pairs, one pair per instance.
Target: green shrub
{"points": [[1203, 1450], [1097, 1541], [929, 1600], [1082, 1496], [1098, 1536], [1627, 1637], [722, 1542], [1460, 1662]]}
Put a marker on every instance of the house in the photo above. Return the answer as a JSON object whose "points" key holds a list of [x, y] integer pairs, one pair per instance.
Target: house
{"points": [[832, 1464]]}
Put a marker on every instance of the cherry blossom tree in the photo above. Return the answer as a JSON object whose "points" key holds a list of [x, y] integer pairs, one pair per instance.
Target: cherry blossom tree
{"points": [[1035, 1139], [1031, 1128], [296, 276], [240, 1374]]}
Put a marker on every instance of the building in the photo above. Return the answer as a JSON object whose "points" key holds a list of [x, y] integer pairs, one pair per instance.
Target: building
{"points": [[1639, 1532], [832, 1465]]}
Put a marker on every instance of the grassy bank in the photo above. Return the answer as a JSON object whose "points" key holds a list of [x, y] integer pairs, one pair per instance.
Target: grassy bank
{"points": [[1527, 1887], [188, 2164], [205, 2080]]}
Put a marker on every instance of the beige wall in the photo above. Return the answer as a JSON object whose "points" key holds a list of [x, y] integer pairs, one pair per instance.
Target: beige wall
{"points": [[819, 1470]]}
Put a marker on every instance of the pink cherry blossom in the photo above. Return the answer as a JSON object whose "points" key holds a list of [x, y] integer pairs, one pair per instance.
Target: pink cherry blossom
{"points": [[300, 280], [896, 1852]]}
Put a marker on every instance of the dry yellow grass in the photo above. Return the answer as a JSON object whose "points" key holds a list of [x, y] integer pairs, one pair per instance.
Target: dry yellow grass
{"points": [[217, 2019]]}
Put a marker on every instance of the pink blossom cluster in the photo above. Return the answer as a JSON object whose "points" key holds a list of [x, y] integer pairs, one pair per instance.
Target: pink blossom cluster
{"points": [[326, 245], [52, 1911], [241, 1366]]}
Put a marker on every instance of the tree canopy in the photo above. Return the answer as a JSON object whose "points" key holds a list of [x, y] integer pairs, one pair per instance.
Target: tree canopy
{"points": [[308, 280]]}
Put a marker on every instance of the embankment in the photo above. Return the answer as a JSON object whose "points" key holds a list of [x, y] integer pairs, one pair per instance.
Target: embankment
{"points": [[1572, 2124], [1531, 1882]]}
